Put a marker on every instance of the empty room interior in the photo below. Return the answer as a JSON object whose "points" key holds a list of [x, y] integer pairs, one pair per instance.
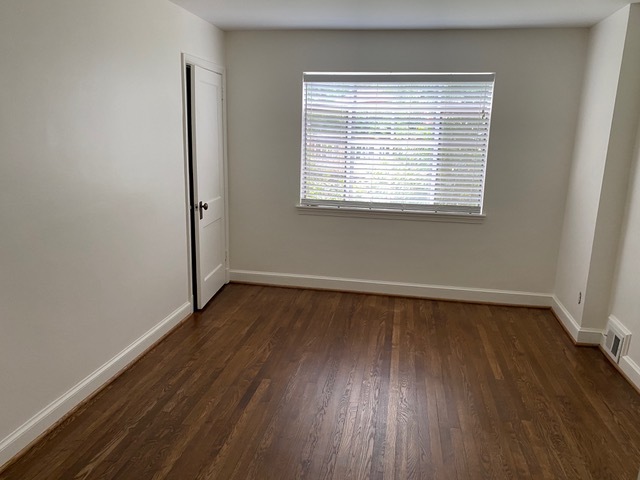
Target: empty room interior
{"points": [[347, 239]]}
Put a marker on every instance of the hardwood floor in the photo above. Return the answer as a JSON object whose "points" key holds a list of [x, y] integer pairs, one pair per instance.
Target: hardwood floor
{"points": [[273, 383]]}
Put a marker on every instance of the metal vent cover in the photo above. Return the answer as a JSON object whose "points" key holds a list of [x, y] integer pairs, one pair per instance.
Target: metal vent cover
{"points": [[616, 340]]}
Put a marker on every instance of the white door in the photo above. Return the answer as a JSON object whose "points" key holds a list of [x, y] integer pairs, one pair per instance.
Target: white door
{"points": [[208, 183]]}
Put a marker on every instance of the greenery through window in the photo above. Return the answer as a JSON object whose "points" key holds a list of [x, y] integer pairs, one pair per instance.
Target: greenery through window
{"points": [[408, 142]]}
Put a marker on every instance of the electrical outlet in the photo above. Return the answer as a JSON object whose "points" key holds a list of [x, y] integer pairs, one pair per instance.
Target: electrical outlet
{"points": [[579, 298]]}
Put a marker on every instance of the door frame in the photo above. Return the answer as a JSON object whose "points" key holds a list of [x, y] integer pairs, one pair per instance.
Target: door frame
{"points": [[192, 60]]}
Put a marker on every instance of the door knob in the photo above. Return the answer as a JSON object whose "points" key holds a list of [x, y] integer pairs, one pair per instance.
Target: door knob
{"points": [[203, 206]]}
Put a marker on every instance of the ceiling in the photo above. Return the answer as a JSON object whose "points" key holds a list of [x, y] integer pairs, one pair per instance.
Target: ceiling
{"points": [[399, 14]]}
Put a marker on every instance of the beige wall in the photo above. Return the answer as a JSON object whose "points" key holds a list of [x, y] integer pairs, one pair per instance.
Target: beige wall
{"points": [[615, 182], [591, 143], [93, 244], [538, 84], [626, 300], [599, 177]]}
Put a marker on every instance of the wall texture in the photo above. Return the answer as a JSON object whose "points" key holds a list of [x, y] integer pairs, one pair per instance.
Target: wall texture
{"points": [[93, 246], [613, 197], [606, 48], [538, 84], [626, 301]]}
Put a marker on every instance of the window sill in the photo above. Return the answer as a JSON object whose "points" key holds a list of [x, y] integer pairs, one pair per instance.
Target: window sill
{"points": [[391, 214]]}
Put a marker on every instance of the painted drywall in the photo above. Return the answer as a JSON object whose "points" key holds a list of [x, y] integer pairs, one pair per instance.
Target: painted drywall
{"points": [[615, 180], [604, 62], [538, 83], [93, 243], [625, 305], [625, 302]]}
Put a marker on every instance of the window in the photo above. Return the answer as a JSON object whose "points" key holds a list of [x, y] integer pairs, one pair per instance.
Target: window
{"points": [[395, 142]]}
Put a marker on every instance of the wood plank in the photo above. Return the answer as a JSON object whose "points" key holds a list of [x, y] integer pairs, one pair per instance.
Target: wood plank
{"points": [[278, 383]]}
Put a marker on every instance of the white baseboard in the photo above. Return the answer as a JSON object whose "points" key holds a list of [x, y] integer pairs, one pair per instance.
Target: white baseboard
{"points": [[505, 297], [582, 336], [56, 410], [631, 370]]}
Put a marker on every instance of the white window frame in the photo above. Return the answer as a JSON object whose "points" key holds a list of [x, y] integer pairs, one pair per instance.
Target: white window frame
{"points": [[408, 210]]}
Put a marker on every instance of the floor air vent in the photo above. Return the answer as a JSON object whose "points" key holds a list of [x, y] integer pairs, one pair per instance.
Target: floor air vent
{"points": [[616, 340]]}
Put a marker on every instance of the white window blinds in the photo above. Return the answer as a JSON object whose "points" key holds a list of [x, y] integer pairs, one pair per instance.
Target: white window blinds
{"points": [[414, 142]]}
